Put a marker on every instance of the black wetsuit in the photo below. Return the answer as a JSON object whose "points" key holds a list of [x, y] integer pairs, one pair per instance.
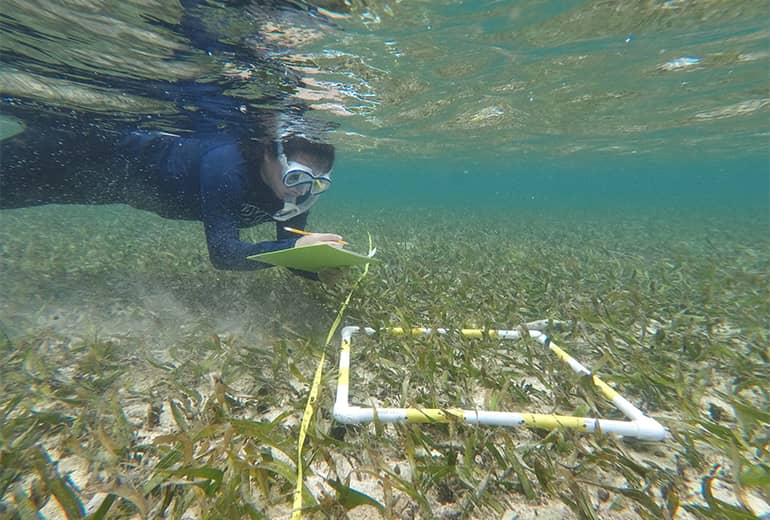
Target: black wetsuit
{"points": [[206, 178]]}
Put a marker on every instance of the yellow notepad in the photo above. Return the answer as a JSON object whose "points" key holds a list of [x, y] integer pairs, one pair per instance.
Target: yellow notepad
{"points": [[313, 258]]}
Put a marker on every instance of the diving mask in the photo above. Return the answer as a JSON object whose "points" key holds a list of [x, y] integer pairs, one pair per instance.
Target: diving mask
{"points": [[298, 175]]}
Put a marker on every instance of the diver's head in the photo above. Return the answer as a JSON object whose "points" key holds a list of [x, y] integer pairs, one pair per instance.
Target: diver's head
{"points": [[298, 171]]}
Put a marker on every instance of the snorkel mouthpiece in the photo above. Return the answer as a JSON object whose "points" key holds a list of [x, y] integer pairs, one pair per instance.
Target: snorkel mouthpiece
{"points": [[289, 210], [292, 208]]}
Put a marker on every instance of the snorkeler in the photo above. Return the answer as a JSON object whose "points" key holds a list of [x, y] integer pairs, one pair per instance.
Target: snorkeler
{"points": [[227, 183], [229, 165]]}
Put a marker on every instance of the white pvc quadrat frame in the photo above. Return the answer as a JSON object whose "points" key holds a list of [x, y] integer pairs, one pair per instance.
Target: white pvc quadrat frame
{"points": [[638, 425]]}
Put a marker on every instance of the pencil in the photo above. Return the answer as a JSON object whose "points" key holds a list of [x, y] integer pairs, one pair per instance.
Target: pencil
{"points": [[305, 233]]}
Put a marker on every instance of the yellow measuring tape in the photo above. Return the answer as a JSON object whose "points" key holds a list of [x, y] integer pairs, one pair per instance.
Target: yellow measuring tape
{"points": [[296, 513]]}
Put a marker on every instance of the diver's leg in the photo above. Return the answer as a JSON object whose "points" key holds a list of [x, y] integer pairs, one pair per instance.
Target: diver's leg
{"points": [[24, 178], [60, 163]]}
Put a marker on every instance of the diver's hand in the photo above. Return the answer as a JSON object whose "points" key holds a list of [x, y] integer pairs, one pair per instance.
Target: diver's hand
{"points": [[332, 239]]}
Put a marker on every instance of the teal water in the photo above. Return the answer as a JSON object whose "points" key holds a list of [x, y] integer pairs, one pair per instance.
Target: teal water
{"points": [[631, 186]]}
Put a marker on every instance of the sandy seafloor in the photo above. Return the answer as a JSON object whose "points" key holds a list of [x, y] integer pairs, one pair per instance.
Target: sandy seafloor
{"points": [[74, 275]]}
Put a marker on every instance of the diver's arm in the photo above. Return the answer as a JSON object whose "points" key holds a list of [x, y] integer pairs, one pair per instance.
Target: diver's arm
{"points": [[228, 252], [221, 195]]}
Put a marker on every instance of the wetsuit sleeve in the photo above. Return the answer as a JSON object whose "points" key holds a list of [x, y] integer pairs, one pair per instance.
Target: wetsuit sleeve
{"points": [[222, 187]]}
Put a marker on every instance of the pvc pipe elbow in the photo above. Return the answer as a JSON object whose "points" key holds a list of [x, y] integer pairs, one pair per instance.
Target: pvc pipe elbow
{"points": [[346, 414], [348, 331], [650, 429]]}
